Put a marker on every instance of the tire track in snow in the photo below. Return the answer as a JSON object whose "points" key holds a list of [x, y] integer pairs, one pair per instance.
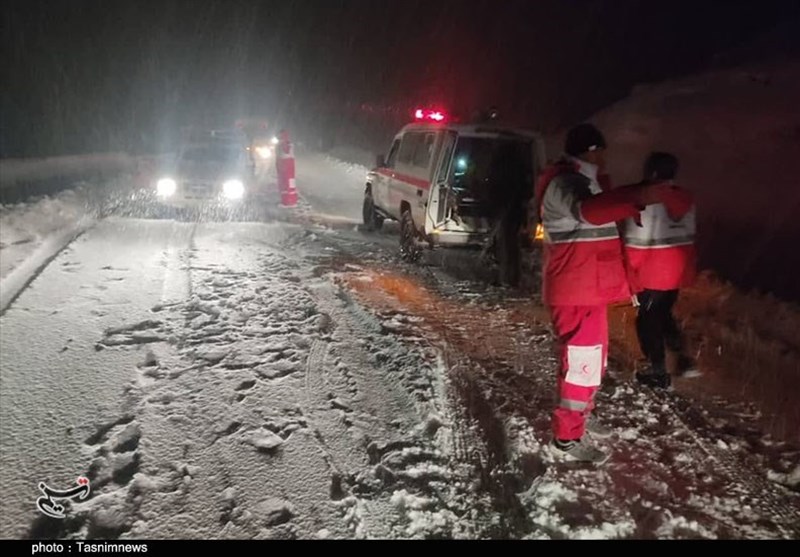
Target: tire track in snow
{"points": [[421, 468]]}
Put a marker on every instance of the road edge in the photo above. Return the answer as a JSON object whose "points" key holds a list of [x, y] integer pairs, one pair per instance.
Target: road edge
{"points": [[26, 272]]}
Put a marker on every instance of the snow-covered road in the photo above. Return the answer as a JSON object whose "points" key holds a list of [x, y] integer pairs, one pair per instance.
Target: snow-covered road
{"points": [[290, 378], [210, 383]]}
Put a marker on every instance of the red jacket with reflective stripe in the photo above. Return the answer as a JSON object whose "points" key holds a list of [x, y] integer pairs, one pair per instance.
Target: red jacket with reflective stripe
{"points": [[284, 161], [660, 248], [583, 254]]}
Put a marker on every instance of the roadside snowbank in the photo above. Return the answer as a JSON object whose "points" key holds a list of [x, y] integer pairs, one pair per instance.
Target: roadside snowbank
{"points": [[34, 232]]}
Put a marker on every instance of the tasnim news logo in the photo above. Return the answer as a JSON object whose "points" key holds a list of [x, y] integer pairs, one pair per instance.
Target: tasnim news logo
{"points": [[49, 504]]}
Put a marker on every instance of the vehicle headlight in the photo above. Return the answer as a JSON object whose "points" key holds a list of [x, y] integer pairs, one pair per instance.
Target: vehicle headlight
{"points": [[274, 141], [233, 189], [166, 187], [264, 152]]}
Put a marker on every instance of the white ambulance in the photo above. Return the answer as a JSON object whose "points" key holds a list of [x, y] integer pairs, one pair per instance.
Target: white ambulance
{"points": [[448, 184]]}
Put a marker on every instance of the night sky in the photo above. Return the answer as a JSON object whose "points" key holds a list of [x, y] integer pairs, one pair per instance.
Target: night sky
{"points": [[82, 76]]}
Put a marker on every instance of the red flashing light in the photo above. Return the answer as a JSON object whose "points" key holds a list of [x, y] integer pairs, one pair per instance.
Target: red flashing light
{"points": [[430, 115]]}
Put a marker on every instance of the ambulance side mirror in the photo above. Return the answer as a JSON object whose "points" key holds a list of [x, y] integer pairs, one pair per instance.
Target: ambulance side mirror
{"points": [[380, 161]]}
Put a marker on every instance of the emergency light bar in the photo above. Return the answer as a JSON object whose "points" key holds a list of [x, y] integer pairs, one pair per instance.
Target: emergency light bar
{"points": [[429, 115]]}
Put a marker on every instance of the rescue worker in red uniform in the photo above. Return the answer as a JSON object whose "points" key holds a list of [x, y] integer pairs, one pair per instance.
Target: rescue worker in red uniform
{"points": [[583, 272], [660, 252], [284, 166]]}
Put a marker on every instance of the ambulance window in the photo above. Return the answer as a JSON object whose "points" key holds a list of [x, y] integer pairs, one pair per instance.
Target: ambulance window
{"points": [[408, 147], [393, 154], [424, 151]]}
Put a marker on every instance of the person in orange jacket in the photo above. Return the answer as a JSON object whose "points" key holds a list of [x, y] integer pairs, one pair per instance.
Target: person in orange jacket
{"points": [[661, 258], [583, 272]]}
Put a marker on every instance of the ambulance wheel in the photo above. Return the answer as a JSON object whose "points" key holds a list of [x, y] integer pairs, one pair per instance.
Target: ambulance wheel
{"points": [[372, 220], [409, 250]]}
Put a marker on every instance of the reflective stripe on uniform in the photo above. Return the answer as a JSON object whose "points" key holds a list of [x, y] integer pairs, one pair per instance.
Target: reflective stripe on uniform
{"points": [[576, 405], [684, 240], [656, 229], [561, 217], [583, 233]]}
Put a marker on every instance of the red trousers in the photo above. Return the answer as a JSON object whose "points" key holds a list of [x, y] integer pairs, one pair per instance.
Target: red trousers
{"points": [[582, 336]]}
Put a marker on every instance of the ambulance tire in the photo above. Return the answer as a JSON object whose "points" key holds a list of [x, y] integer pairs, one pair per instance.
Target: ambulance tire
{"points": [[409, 250], [372, 220]]}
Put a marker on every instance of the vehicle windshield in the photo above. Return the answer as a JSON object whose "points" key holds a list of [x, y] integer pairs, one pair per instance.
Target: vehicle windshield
{"points": [[211, 153], [486, 168]]}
